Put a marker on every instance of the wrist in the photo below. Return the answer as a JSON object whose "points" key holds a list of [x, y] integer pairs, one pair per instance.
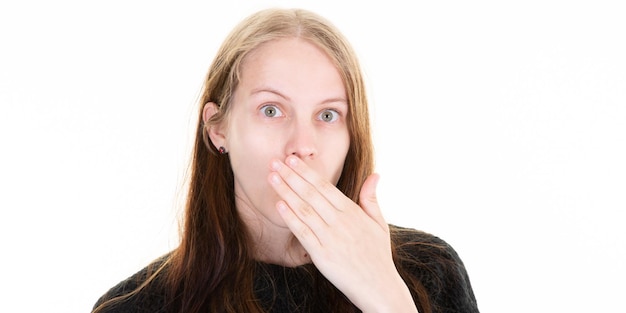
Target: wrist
{"points": [[395, 298]]}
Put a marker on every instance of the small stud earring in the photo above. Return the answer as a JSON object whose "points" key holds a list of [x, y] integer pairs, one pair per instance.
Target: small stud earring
{"points": [[222, 150]]}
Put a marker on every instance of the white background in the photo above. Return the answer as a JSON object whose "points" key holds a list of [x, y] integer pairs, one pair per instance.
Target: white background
{"points": [[499, 127]]}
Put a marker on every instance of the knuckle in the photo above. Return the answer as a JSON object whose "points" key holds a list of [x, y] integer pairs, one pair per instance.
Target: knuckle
{"points": [[302, 231], [309, 192], [307, 210], [326, 187]]}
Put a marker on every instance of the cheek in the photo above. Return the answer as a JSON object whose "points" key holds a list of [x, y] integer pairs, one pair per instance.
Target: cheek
{"points": [[255, 135], [337, 150], [341, 146], [251, 148]]}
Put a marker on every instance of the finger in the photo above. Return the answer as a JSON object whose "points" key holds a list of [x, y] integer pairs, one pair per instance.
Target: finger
{"points": [[334, 196], [311, 192], [369, 201], [301, 230], [305, 212]]}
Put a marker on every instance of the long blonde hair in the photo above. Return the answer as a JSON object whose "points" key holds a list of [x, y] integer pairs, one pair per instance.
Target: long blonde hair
{"points": [[212, 270]]}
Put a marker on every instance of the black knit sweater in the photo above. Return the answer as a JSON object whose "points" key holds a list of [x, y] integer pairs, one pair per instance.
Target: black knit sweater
{"points": [[284, 289]]}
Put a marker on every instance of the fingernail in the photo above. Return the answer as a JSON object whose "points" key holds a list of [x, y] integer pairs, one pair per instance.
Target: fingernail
{"points": [[274, 179], [275, 165], [292, 161], [281, 206]]}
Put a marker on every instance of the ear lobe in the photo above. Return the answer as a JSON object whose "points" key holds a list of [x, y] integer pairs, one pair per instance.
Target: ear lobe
{"points": [[218, 138]]}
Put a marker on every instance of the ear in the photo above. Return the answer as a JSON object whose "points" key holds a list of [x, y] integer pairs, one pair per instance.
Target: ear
{"points": [[215, 132]]}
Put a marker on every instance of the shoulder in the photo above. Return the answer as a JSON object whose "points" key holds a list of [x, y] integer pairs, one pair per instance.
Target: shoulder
{"points": [[437, 266], [140, 292], [422, 245]]}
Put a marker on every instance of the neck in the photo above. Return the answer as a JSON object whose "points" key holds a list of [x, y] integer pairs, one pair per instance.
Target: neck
{"points": [[272, 242]]}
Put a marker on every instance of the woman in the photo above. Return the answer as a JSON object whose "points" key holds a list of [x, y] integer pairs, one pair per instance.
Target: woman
{"points": [[281, 214]]}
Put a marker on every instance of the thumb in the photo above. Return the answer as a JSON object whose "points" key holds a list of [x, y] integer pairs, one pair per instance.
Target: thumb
{"points": [[369, 202]]}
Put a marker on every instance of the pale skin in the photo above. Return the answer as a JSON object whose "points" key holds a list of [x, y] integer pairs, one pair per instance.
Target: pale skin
{"points": [[287, 139]]}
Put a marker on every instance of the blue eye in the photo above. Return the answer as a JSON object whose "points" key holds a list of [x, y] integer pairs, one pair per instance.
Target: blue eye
{"points": [[329, 116], [271, 111]]}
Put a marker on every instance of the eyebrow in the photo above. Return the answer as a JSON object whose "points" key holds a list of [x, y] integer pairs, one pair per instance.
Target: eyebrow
{"points": [[270, 90], [278, 93]]}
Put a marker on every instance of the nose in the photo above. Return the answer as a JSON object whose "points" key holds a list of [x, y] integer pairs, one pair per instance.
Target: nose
{"points": [[301, 141]]}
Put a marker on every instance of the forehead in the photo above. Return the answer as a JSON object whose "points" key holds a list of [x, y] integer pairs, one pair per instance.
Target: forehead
{"points": [[290, 61]]}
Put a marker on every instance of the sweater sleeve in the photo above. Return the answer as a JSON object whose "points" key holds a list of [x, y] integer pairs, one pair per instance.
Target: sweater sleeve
{"points": [[440, 270]]}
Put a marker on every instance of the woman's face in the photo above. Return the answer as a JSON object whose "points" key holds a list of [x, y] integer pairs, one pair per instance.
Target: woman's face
{"points": [[290, 101]]}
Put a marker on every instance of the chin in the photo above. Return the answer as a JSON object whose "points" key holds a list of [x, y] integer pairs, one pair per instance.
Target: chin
{"points": [[264, 217]]}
